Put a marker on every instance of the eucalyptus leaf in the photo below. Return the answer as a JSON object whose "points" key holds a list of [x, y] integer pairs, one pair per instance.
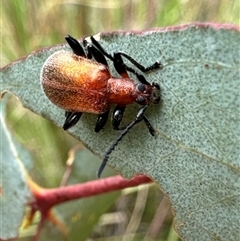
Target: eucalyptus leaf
{"points": [[14, 192], [195, 156]]}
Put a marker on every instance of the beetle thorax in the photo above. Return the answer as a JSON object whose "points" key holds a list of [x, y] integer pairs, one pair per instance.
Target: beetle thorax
{"points": [[121, 91]]}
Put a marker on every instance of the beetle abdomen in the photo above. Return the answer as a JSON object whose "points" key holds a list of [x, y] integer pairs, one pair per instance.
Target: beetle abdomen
{"points": [[75, 84]]}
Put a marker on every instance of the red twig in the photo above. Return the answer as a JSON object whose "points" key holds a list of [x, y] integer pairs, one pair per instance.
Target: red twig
{"points": [[47, 198]]}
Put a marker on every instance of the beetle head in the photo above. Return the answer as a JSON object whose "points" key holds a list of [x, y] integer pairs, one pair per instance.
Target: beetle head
{"points": [[147, 94]]}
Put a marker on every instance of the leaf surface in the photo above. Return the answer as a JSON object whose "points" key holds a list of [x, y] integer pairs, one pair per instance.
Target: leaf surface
{"points": [[14, 192]]}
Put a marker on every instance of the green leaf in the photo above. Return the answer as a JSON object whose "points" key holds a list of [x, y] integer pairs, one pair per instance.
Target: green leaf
{"points": [[195, 156], [14, 194]]}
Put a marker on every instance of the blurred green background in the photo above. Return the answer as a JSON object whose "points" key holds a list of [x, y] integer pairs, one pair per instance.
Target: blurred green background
{"points": [[31, 25], [28, 26]]}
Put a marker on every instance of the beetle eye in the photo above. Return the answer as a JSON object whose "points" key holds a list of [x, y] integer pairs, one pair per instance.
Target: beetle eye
{"points": [[141, 87]]}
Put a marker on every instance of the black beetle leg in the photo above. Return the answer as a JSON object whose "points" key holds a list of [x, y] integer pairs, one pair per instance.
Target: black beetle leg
{"points": [[75, 45], [117, 116], [101, 121], [71, 119], [92, 51]]}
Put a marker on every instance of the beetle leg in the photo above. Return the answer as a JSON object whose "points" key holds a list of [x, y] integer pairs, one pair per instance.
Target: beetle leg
{"points": [[117, 59], [100, 48], [71, 119], [117, 117], [139, 117], [121, 67], [156, 65], [117, 62], [75, 45], [93, 51], [101, 121]]}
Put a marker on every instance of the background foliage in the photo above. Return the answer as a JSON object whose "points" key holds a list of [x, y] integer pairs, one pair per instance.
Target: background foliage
{"points": [[32, 25]]}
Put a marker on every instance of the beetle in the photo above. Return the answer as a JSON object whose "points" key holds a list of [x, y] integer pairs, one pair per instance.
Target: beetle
{"points": [[76, 83]]}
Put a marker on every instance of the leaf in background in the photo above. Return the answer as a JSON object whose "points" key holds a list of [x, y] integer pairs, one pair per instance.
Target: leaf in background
{"points": [[195, 156], [14, 194]]}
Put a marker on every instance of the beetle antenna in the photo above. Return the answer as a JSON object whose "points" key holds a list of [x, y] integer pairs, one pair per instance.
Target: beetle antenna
{"points": [[139, 117]]}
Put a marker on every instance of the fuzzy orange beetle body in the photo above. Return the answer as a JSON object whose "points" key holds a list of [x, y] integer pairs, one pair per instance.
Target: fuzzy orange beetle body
{"points": [[77, 84]]}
